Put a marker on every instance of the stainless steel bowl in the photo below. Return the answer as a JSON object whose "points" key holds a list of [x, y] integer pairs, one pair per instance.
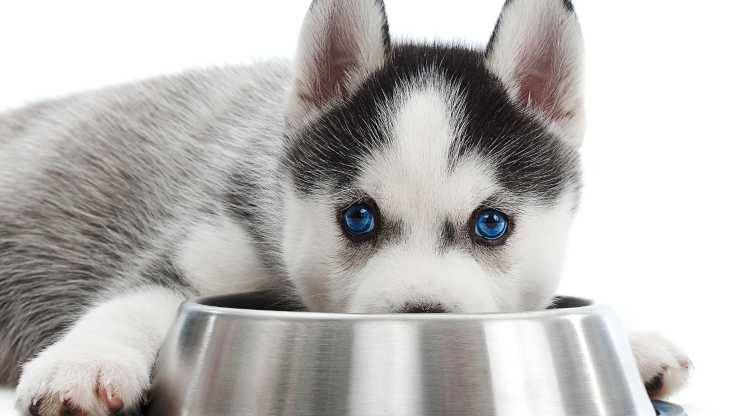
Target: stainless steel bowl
{"points": [[251, 355]]}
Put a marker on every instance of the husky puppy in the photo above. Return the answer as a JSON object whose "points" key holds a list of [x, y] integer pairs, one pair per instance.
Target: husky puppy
{"points": [[365, 176]]}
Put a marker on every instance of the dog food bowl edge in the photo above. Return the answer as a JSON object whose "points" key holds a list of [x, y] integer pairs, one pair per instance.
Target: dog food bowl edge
{"points": [[248, 355]]}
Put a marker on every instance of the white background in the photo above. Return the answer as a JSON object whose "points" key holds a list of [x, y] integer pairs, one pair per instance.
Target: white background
{"points": [[658, 229]]}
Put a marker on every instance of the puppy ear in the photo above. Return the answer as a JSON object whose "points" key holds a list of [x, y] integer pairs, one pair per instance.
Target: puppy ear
{"points": [[536, 51], [342, 42]]}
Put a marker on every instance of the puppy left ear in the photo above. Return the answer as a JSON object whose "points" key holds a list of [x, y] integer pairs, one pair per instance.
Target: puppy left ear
{"points": [[342, 42], [536, 51]]}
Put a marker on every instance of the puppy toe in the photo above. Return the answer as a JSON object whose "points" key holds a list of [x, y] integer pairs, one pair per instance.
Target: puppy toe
{"points": [[111, 400], [663, 367]]}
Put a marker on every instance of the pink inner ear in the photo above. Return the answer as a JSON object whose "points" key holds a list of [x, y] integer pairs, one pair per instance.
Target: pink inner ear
{"points": [[333, 64], [540, 79]]}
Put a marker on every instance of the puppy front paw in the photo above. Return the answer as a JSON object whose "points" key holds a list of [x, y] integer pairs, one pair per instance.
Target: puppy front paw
{"points": [[663, 367], [98, 379]]}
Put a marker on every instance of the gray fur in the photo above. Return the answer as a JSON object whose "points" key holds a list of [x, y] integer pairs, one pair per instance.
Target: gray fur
{"points": [[97, 189]]}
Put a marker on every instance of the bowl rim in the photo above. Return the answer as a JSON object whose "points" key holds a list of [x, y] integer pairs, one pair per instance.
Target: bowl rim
{"points": [[199, 305]]}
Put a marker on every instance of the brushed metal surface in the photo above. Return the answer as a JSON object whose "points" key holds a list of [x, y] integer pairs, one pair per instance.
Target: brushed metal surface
{"points": [[226, 361]]}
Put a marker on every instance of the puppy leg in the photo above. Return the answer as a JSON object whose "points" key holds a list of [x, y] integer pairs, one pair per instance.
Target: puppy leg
{"points": [[102, 365], [663, 368]]}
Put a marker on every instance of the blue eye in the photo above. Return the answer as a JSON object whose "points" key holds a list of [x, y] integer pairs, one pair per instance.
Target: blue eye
{"points": [[491, 224], [359, 220]]}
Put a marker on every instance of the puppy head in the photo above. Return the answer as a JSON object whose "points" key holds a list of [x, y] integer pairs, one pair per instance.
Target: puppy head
{"points": [[426, 178]]}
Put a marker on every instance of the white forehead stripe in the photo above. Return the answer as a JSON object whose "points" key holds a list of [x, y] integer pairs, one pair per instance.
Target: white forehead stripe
{"points": [[423, 130]]}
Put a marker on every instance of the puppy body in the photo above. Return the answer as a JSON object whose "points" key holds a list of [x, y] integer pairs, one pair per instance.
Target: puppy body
{"points": [[109, 191], [116, 205]]}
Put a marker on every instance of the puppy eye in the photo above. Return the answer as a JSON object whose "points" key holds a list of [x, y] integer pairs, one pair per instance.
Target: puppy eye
{"points": [[490, 225], [359, 220]]}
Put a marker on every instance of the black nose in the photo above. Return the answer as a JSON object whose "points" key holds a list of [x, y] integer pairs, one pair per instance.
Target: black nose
{"points": [[422, 307]]}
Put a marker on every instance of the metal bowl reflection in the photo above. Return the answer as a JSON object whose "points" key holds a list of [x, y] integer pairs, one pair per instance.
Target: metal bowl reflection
{"points": [[251, 354]]}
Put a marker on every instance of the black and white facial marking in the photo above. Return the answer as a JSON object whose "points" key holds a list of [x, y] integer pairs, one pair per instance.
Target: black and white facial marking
{"points": [[428, 138]]}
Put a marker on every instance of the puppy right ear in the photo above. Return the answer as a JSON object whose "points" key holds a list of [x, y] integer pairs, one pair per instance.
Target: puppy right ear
{"points": [[537, 52], [342, 42]]}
